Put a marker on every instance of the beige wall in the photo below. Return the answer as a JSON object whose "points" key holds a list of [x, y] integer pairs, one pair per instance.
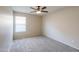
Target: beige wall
{"points": [[63, 26], [6, 28], [33, 26]]}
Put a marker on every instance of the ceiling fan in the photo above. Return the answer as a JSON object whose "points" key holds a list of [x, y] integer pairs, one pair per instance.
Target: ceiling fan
{"points": [[39, 9]]}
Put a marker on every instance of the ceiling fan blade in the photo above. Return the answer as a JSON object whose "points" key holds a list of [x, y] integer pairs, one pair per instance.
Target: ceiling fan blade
{"points": [[44, 7], [33, 8], [45, 11]]}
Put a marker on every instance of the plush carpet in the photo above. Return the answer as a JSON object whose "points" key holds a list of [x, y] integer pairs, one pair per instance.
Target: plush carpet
{"points": [[40, 44]]}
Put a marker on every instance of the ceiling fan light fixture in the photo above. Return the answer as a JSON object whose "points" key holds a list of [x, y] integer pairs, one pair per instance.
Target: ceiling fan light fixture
{"points": [[38, 12], [39, 9]]}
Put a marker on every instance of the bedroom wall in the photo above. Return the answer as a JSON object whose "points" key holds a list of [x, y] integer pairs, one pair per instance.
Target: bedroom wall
{"points": [[63, 26], [6, 28], [33, 26]]}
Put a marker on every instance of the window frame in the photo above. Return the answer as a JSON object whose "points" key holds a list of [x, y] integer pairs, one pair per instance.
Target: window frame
{"points": [[15, 24]]}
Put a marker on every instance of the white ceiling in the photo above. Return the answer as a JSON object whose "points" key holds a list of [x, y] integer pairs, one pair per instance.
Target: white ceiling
{"points": [[27, 9]]}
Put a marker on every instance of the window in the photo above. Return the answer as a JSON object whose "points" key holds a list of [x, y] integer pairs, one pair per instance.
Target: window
{"points": [[20, 24]]}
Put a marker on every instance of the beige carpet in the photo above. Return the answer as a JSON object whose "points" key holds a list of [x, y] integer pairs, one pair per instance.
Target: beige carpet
{"points": [[40, 44]]}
